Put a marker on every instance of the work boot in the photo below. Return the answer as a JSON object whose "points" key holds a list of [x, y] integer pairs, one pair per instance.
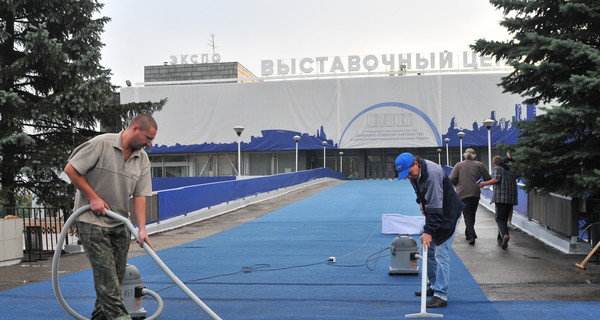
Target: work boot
{"points": [[436, 302], [429, 293]]}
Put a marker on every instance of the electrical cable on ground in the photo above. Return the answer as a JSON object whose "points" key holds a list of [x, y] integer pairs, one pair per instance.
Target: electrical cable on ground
{"points": [[262, 267]]}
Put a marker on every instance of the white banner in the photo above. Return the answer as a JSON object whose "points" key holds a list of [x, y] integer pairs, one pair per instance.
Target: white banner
{"points": [[369, 112]]}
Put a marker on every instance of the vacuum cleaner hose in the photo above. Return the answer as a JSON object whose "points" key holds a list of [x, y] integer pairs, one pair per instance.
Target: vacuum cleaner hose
{"points": [[159, 301], [159, 262]]}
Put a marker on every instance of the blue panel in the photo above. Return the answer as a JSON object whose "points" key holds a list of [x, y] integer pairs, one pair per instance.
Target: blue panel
{"points": [[521, 208], [176, 202], [178, 182]]}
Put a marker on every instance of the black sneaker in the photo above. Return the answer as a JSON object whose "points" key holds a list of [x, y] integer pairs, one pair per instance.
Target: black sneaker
{"points": [[436, 302], [429, 293], [472, 242]]}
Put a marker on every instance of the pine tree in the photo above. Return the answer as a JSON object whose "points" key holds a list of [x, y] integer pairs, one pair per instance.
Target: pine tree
{"points": [[53, 94], [555, 52]]}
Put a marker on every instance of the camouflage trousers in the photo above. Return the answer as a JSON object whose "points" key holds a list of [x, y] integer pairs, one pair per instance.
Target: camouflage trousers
{"points": [[106, 249]]}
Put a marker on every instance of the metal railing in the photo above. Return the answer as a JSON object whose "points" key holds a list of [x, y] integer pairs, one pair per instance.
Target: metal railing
{"points": [[556, 212], [41, 227]]}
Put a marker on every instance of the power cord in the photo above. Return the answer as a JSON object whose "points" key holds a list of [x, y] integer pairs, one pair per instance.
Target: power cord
{"points": [[264, 267], [330, 262], [367, 261]]}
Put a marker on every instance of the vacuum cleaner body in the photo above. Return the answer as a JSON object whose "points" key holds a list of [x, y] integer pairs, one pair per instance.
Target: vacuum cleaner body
{"points": [[132, 293], [404, 256]]}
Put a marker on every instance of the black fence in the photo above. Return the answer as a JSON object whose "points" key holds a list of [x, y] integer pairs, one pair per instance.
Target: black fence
{"points": [[41, 229]]}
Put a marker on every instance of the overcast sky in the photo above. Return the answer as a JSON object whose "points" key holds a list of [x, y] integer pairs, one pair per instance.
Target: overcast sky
{"points": [[148, 32]]}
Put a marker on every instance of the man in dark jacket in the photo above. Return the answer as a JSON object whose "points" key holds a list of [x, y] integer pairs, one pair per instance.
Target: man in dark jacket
{"points": [[442, 208], [465, 176]]}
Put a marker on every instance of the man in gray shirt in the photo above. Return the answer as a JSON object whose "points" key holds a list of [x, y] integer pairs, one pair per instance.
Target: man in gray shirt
{"points": [[465, 176], [107, 171]]}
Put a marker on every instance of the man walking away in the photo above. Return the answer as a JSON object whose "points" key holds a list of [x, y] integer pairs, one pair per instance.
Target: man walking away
{"points": [[464, 177], [505, 196]]}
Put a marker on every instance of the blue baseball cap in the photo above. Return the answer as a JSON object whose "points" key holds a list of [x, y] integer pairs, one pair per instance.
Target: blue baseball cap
{"points": [[403, 163]]}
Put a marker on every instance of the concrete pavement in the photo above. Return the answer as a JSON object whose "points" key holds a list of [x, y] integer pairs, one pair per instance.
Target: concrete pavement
{"points": [[527, 270]]}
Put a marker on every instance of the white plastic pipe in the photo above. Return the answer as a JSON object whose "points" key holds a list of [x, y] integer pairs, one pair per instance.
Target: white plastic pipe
{"points": [[423, 313], [56, 258]]}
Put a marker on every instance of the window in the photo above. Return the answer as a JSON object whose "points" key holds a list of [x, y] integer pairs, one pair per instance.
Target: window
{"points": [[169, 165]]}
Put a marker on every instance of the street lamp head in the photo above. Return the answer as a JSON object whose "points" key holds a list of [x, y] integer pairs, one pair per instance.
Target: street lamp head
{"points": [[447, 140], [341, 153], [488, 123], [461, 134], [238, 130], [296, 138], [324, 143], [439, 150]]}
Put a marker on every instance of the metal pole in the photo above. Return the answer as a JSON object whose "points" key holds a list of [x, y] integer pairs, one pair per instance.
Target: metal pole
{"points": [[324, 154], [296, 138], [488, 123], [239, 157], [238, 130], [460, 136], [447, 154], [490, 149]]}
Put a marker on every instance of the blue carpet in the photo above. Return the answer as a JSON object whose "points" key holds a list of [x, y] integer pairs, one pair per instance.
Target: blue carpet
{"points": [[275, 267]]}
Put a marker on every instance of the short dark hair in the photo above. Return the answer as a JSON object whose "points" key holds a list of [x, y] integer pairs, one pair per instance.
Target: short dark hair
{"points": [[144, 120], [497, 160], [418, 160]]}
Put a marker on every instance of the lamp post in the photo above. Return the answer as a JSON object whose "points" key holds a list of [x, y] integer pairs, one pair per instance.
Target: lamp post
{"points": [[238, 130], [324, 154], [447, 154], [296, 138], [460, 136], [341, 163], [439, 156], [488, 123]]}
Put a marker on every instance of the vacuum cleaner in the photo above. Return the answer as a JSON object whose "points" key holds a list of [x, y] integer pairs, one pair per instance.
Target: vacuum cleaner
{"points": [[404, 254], [132, 288]]}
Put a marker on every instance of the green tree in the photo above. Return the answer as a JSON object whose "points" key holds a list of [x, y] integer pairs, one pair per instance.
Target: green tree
{"points": [[53, 94], [555, 52]]}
